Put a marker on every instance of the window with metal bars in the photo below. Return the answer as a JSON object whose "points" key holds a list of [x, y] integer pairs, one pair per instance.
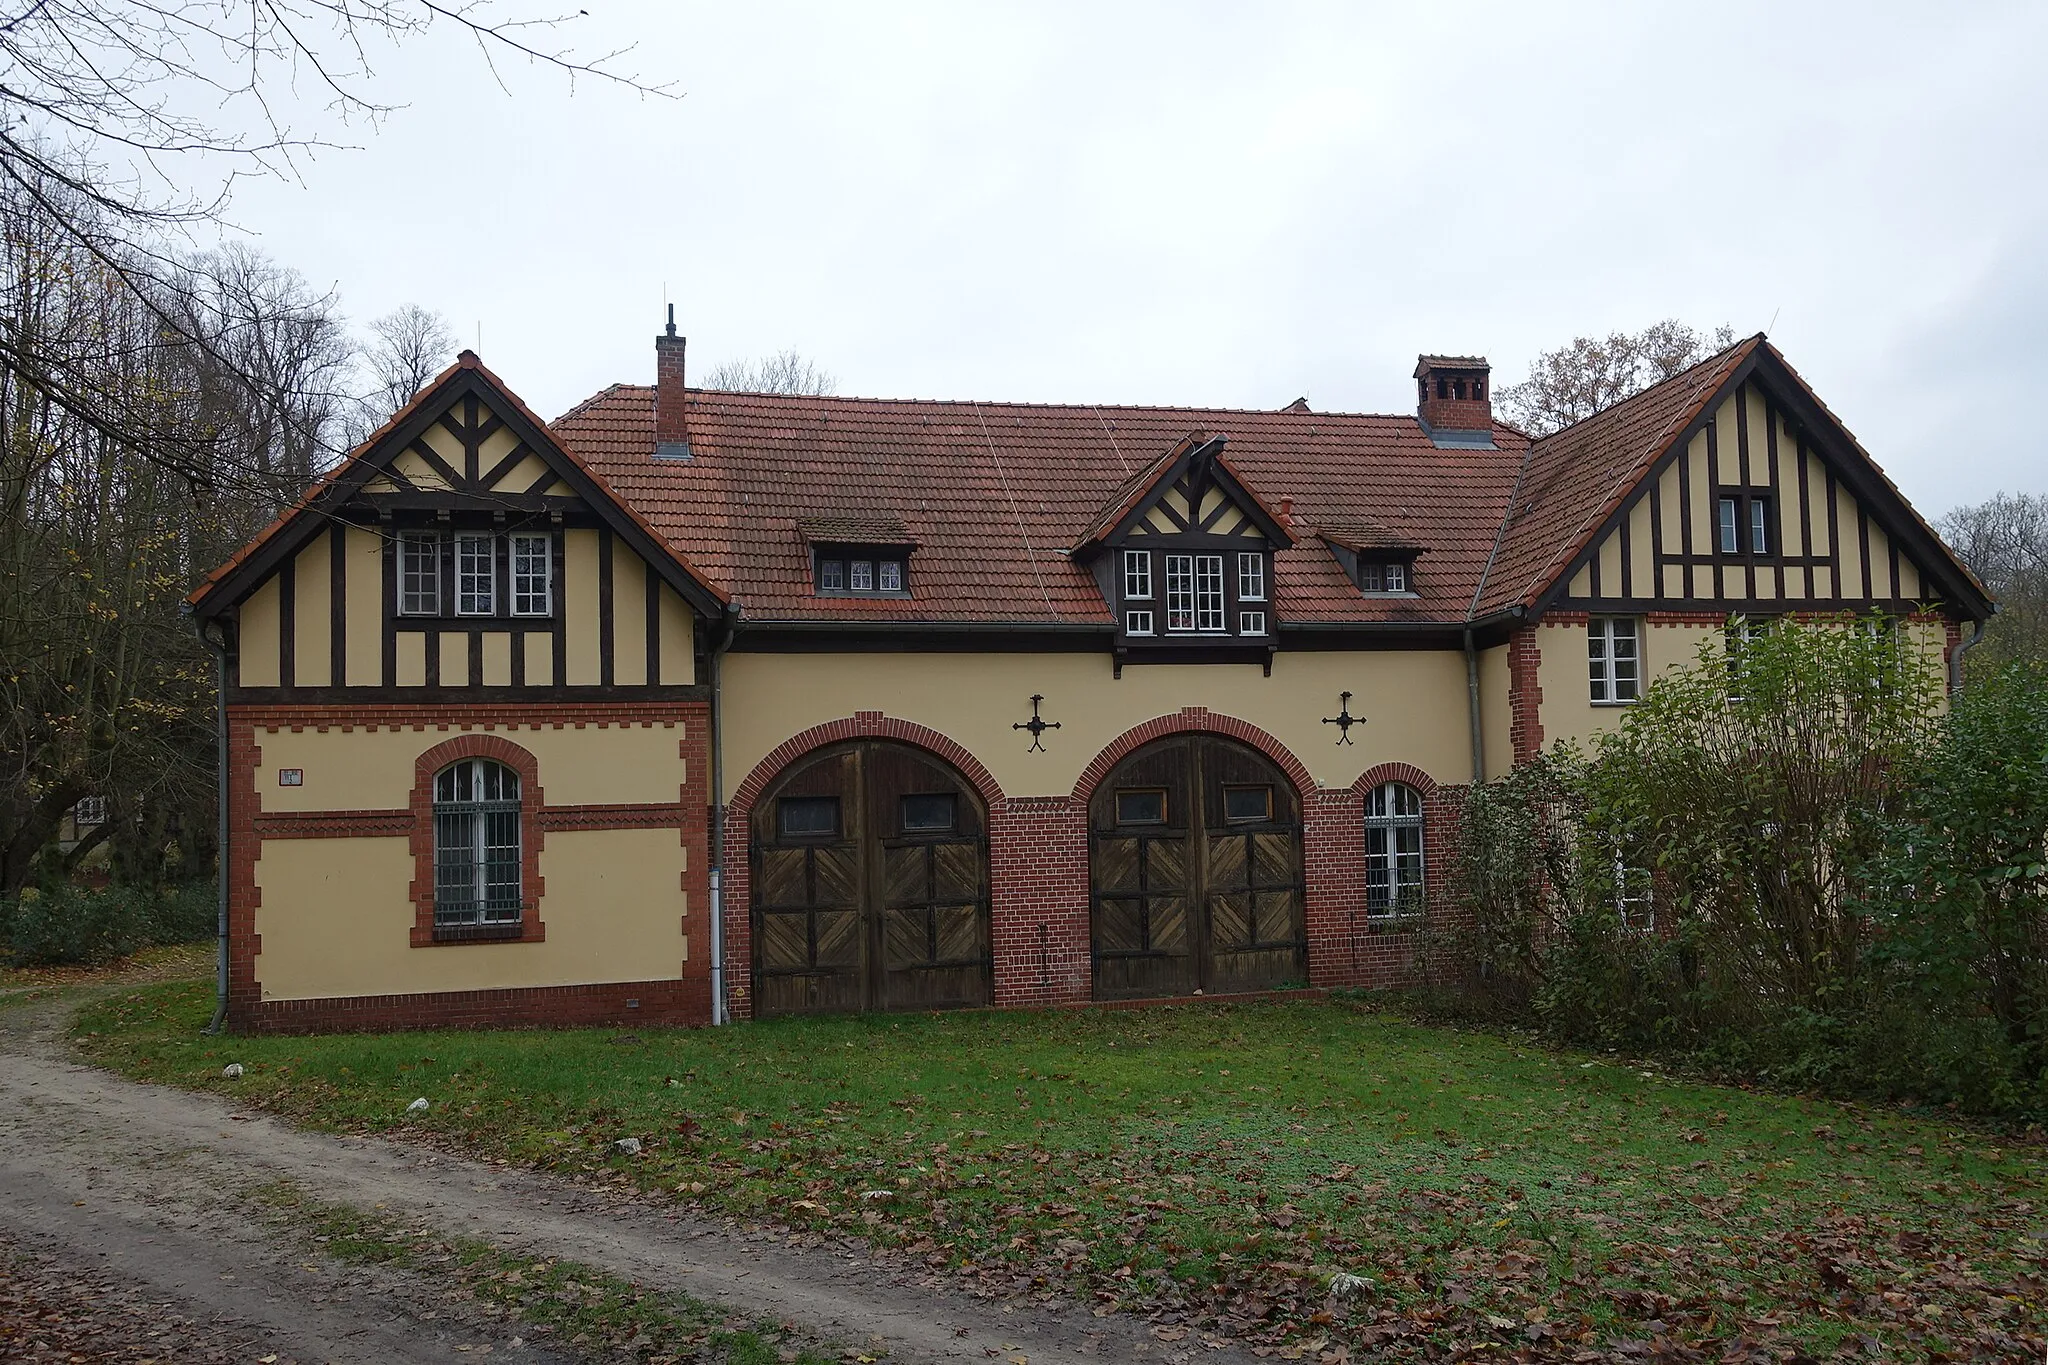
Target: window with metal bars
{"points": [[476, 847], [1393, 851]]}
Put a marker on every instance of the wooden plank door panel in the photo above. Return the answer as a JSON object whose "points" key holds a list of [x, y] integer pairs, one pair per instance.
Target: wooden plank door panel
{"points": [[1201, 901]]}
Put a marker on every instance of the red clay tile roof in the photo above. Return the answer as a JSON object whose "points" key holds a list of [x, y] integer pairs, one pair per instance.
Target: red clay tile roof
{"points": [[1577, 477], [996, 493], [855, 531], [1361, 533]]}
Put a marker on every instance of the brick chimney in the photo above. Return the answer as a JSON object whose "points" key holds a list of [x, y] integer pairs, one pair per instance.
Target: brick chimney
{"points": [[671, 423], [1453, 392]]}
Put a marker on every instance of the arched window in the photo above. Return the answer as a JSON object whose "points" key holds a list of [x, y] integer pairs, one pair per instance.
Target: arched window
{"points": [[476, 845], [1393, 851]]}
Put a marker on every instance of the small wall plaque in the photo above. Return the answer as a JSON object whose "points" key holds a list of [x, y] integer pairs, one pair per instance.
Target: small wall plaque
{"points": [[291, 777]]}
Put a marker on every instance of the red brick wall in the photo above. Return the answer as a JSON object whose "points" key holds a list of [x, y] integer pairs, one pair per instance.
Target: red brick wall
{"points": [[448, 732]]}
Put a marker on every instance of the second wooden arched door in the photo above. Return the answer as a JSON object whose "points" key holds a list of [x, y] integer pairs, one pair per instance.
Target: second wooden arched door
{"points": [[1195, 872], [870, 885]]}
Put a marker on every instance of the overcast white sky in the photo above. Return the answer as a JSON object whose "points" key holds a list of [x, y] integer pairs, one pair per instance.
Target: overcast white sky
{"points": [[1230, 205]]}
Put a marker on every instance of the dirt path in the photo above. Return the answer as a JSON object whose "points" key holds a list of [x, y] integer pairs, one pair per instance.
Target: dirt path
{"points": [[153, 1185]]}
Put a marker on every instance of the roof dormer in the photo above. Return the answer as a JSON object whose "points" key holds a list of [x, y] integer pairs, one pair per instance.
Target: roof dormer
{"points": [[1183, 555]]}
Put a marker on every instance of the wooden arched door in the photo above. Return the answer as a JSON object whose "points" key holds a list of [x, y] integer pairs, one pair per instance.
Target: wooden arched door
{"points": [[870, 885], [1195, 872]]}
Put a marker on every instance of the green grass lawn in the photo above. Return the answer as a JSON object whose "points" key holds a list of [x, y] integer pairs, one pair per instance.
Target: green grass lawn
{"points": [[1233, 1165]]}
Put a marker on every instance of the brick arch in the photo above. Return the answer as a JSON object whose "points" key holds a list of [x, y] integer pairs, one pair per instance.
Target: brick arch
{"points": [[861, 725], [1191, 720], [421, 806], [1381, 773]]}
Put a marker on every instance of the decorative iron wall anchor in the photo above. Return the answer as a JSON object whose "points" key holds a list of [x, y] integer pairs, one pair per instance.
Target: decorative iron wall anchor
{"points": [[1344, 720], [1036, 726]]}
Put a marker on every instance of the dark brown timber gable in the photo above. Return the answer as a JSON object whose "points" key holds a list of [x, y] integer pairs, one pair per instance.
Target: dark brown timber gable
{"points": [[1712, 580]]}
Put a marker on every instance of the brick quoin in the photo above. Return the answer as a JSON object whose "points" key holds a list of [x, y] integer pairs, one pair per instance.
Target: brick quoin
{"points": [[1038, 860], [472, 730], [1525, 697]]}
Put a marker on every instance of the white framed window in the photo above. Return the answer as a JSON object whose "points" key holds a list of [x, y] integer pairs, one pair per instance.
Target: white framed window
{"points": [[419, 573], [1634, 900], [1137, 623], [1251, 576], [1194, 593], [1614, 658], [1759, 525], [1730, 540], [1251, 623], [1208, 592], [889, 576], [832, 575], [1393, 851], [862, 579], [1736, 638], [476, 574], [1180, 592], [533, 574], [476, 845], [1382, 577], [1138, 575], [90, 811]]}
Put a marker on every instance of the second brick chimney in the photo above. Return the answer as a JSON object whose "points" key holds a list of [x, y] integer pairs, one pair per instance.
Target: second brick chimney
{"points": [[1452, 393], [671, 423]]}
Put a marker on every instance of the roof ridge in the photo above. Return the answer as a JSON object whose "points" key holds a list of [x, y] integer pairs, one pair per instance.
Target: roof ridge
{"points": [[1407, 418]]}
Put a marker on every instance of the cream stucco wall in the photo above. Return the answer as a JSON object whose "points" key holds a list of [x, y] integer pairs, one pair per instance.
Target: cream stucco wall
{"points": [[313, 607], [336, 918], [1568, 711], [1414, 703], [259, 657], [1496, 713], [371, 768]]}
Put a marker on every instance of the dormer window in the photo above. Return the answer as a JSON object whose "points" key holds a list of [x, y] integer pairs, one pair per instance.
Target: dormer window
{"points": [[1194, 593], [1184, 560], [1389, 575], [858, 556], [845, 571], [1251, 578], [1137, 575]]}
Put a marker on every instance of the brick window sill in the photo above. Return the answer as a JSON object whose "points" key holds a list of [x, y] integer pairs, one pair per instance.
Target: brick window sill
{"points": [[527, 930]]}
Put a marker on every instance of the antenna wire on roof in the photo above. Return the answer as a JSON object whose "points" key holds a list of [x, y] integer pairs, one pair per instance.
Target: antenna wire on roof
{"points": [[1003, 479], [1108, 431]]}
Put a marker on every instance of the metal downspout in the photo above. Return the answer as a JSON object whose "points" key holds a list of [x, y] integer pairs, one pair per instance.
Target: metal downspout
{"points": [[1472, 706], [1955, 660], [729, 628], [219, 651]]}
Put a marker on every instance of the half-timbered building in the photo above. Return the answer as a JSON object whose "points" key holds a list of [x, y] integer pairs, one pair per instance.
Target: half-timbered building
{"points": [[694, 705]]}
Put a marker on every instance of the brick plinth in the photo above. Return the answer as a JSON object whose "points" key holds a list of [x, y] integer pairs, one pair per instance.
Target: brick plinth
{"points": [[686, 1001]]}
